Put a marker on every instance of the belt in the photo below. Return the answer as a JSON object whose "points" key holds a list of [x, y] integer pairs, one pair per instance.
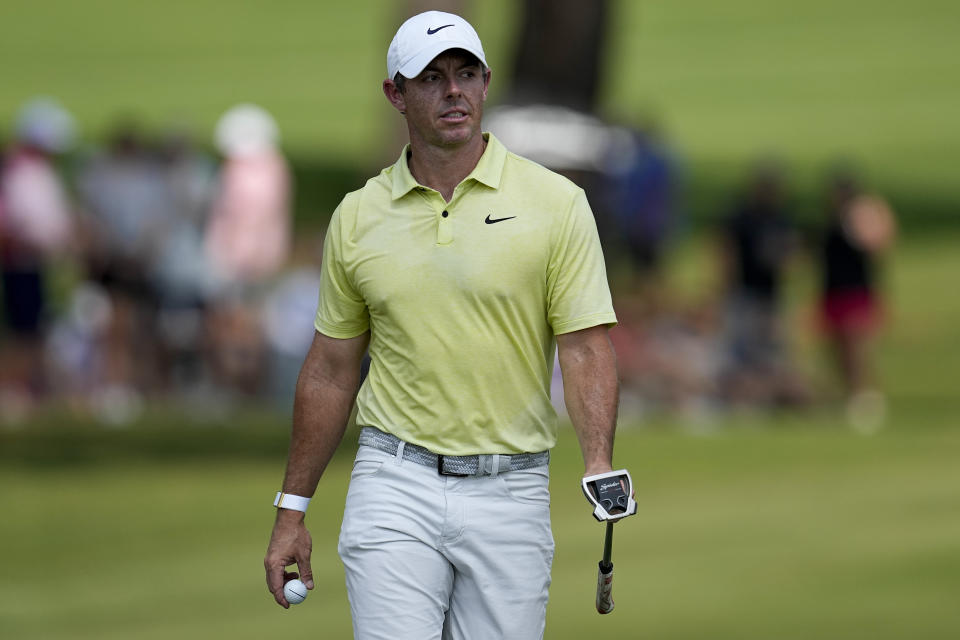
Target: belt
{"points": [[460, 466]]}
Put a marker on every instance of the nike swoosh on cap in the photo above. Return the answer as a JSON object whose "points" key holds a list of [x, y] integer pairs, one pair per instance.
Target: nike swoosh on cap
{"points": [[490, 220], [430, 31]]}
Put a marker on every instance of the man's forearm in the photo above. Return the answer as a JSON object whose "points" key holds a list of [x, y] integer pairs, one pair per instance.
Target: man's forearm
{"points": [[325, 393], [320, 415], [591, 393]]}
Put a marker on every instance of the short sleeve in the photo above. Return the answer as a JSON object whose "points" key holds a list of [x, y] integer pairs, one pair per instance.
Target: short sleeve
{"points": [[341, 310], [578, 295]]}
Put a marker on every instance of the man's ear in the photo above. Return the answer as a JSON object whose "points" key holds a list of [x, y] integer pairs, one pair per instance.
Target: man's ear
{"points": [[486, 83], [394, 95]]}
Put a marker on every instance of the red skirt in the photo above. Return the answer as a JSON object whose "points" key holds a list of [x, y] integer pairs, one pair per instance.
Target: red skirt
{"points": [[851, 311]]}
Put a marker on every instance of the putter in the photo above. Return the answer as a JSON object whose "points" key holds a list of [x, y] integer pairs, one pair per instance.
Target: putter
{"points": [[611, 494]]}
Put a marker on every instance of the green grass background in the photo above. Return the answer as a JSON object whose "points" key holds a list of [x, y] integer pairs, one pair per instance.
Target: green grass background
{"points": [[806, 530], [750, 526]]}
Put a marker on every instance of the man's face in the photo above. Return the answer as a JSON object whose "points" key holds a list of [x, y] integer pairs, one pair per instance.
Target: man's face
{"points": [[444, 104]]}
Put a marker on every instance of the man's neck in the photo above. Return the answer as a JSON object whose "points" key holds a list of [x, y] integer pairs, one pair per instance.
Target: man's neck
{"points": [[442, 168]]}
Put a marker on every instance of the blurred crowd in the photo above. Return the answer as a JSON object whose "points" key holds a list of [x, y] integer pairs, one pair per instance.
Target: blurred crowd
{"points": [[735, 348], [148, 270]]}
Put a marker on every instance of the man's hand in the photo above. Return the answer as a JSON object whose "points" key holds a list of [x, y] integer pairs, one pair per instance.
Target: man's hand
{"points": [[290, 544]]}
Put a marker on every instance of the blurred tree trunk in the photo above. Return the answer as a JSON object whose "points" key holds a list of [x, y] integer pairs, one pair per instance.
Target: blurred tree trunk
{"points": [[559, 53]]}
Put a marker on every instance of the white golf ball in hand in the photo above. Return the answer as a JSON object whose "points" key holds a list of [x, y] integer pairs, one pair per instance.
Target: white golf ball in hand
{"points": [[295, 591]]}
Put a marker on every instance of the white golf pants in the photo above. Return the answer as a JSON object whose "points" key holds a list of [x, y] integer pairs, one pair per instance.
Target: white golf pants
{"points": [[429, 556]]}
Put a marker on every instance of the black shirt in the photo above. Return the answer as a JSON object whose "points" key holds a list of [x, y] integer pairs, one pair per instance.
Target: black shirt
{"points": [[846, 266]]}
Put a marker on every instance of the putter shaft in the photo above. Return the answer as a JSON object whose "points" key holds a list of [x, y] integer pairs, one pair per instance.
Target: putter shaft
{"points": [[605, 575], [608, 544]]}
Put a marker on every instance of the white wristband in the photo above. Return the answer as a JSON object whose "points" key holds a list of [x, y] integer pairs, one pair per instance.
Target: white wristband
{"points": [[290, 501]]}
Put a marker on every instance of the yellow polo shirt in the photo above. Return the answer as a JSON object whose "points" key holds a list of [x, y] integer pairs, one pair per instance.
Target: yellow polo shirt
{"points": [[463, 300]]}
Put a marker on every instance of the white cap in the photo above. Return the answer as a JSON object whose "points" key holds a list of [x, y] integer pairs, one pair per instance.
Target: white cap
{"points": [[425, 36], [44, 123], [246, 129]]}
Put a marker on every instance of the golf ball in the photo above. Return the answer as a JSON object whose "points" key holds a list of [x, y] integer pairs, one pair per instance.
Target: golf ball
{"points": [[295, 591]]}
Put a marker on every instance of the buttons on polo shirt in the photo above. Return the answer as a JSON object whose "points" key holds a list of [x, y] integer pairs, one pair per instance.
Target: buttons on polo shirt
{"points": [[445, 228]]}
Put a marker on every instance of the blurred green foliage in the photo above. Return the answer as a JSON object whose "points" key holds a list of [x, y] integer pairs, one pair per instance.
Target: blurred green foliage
{"points": [[726, 81]]}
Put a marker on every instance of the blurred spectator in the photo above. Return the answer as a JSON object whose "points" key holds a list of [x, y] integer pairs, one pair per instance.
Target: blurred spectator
{"points": [[247, 240], [35, 226], [641, 194], [181, 272], [288, 314], [859, 228], [758, 239], [126, 206], [75, 348], [666, 359]]}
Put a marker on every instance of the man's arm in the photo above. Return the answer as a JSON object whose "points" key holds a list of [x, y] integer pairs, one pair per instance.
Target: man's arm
{"points": [[326, 389], [591, 393]]}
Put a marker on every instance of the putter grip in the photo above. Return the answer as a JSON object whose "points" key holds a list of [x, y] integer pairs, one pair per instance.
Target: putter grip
{"points": [[605, 588]]}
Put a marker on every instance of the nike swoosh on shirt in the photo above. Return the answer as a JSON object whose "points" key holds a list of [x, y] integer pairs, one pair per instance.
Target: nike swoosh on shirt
{"points": [[430, 31], [490, 220]]}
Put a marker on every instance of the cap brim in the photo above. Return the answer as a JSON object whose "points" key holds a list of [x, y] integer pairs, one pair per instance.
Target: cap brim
{"points": [[418, 63]]}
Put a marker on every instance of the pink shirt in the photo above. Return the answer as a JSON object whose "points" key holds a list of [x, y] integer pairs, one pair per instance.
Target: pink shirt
{"points": [[36, 214], [248, 237]]}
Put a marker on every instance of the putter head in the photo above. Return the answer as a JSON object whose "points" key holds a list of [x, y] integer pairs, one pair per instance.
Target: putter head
{"points": [[611, 494]]}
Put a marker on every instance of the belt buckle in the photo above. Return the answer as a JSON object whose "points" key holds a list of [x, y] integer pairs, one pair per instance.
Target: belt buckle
{"points": [[448, 473]]}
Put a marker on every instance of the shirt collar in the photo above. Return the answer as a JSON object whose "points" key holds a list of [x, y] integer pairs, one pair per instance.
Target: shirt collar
{"points": [[488, 171]]}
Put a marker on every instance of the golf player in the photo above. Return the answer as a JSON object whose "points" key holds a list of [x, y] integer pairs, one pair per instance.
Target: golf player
{"points": [[462, 268]]}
